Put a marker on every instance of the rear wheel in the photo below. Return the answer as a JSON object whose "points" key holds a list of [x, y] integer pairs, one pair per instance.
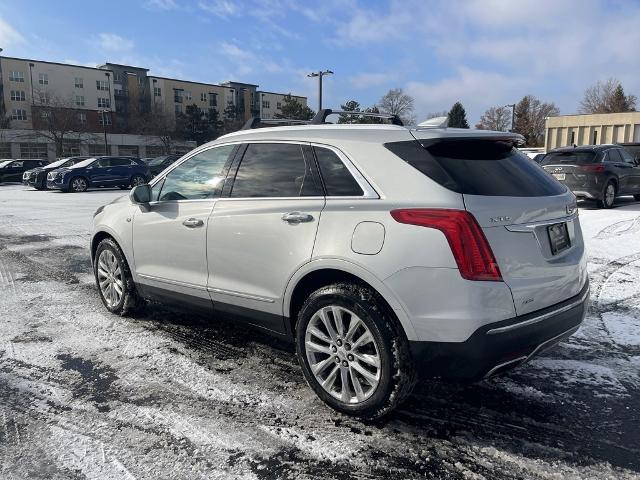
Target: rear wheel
{"points": [[114, 280], [637, 197], [608, 195], [78, 184], [353, 352]]}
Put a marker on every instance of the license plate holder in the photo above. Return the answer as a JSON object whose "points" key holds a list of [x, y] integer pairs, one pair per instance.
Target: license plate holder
{"points": [[560, 176], [558, 237]]}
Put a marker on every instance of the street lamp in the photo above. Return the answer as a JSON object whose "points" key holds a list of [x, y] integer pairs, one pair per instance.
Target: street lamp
{"points": [[320, 74], [513, 115], [104, 129], [31, 65]]}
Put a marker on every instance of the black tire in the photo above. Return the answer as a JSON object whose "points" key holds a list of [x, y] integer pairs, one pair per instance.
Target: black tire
{"points": [[137, 180], [608, 200], [397, 373], [78, 184], [131, 301], [637, 197]]}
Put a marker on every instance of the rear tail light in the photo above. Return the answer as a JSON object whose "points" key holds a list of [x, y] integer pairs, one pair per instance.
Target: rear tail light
{"points": [[591, 168], [467, 241]]}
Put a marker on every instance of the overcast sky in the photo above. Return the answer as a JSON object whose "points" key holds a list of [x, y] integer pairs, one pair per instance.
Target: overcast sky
{"points": [[481, 52]]}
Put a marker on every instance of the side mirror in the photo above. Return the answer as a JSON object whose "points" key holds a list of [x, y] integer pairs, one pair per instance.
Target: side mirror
{"points": [[141, 195]]}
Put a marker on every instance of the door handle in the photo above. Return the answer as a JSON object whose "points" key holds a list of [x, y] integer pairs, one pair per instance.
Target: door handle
{"points": [[193, 223], [297, 217]]}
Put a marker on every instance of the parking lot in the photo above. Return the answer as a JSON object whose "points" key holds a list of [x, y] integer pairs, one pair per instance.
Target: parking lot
{"points": [[170, 394]]}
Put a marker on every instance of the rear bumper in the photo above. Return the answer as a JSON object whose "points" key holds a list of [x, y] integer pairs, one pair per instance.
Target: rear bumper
{"points": [[500, 346]]}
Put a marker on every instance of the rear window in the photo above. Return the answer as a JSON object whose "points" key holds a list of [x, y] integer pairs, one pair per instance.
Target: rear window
{"points": [[574, 158], [478, 167], [337, 179]]}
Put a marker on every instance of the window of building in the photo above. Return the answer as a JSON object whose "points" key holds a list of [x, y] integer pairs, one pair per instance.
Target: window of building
{"points": [[82, 118], [199, 177], [155, 151], [140, 81], [279, 105], [16, 76], [80, 100], [104, 119], [187, 95], [178, 108], [43, 78], [5, 150], [157, 92], [338, 181], [573, 138], [103, 103], [98, 149], [102, 85], [18, 114], [213, 100], [70, 148], [33, 150], [117, 77], [45, 98], [128, 150], [595, 137], [18, 96], [274, 170], [45, 114], [178, 95], [203, 97], [266, 104], [79, 82], [118, 92]]}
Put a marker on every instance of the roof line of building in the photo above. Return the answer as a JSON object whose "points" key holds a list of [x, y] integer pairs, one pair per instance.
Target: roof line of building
{"points": [[588, 114], [125, 66], [55, 63], [189, 81], [278, 93]]}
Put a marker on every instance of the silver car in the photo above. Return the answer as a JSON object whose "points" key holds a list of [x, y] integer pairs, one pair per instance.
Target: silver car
{"points": [[385, 253]]}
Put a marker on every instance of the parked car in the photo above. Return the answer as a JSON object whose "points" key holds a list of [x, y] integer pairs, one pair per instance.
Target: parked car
{"points": [[99, 172], [12, 170], [377, 278], [37, 177], [158, 164], [633, 149], [595, 172]]}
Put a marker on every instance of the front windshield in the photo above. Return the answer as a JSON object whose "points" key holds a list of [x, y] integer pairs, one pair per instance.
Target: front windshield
{"points": [[157, 161], [5, 163], [84, 163], [60, 163]]}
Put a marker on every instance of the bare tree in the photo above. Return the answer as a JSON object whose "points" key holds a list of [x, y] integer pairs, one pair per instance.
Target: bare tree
{"points": [[495, 118], [530, 119], [396, 102], [607, 97], [57, 119], [157, 124]]}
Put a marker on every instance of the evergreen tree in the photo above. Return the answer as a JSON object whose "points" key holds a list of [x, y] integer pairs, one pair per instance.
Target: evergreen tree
{"points": [[294, 110], [458, 116]]}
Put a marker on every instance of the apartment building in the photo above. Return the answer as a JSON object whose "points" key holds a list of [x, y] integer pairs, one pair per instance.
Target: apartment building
{"points": [[109, 101], [30, 86], [594, 129]]}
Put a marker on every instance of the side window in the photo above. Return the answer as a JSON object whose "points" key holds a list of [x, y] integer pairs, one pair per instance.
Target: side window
{"points": [[119, 162], [338, 181], [626, 157], [155, 190], [102, 163], [199, 177], [16, 164], [613, 156], [274, 170]]}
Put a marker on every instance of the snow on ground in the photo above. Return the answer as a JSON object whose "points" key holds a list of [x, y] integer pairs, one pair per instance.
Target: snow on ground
{"points": [[85, 394]]}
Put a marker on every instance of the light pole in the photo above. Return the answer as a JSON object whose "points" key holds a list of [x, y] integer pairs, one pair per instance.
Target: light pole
{"points": [[513, 115], [261, 102], [104, 129], [31, 65], [320, 74]]}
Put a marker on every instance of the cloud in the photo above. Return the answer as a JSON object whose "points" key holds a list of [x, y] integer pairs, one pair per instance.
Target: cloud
{"points": [[161, 4], [114, 43], [8, 35], [221, 8], [368, 80]]}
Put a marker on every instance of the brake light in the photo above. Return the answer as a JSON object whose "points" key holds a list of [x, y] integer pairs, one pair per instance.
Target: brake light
{"points": [[592, 168], [467, 241]]}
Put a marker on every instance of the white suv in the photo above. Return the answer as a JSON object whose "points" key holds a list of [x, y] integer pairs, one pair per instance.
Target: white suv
{"points": [[384, 252]]}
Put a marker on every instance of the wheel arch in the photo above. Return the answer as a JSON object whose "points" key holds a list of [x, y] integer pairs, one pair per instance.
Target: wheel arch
{"points": [[318, 273], [100, 235]]}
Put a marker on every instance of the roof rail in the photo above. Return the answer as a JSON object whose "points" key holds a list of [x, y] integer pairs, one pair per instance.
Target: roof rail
{"points": [[257, 122], [321, 117]]}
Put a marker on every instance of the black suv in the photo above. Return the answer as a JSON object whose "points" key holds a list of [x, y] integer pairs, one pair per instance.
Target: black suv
{"points": [[158, 164], [12, 170], [37, 177], [595, 172]]}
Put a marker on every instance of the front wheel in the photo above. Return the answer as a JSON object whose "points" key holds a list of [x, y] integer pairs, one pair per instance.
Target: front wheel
{"points": [[608, 196], [137, 180], [78, 184], [114, 280], [353, 352]]}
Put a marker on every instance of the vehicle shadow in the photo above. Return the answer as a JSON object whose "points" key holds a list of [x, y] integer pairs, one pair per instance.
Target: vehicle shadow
{"points": [[522, 413], [625, 203]]}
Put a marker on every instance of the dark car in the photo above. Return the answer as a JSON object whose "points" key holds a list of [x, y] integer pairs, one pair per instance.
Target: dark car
{"points": [[12, 170], [158, 164], [37, 177], [632, 148], [595, 172], [120, 172]]}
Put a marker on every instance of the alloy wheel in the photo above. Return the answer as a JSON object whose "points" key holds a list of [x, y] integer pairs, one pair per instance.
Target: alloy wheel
{"points": [[110, 279], [343, 354], [79, 185], [609, 194]]}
